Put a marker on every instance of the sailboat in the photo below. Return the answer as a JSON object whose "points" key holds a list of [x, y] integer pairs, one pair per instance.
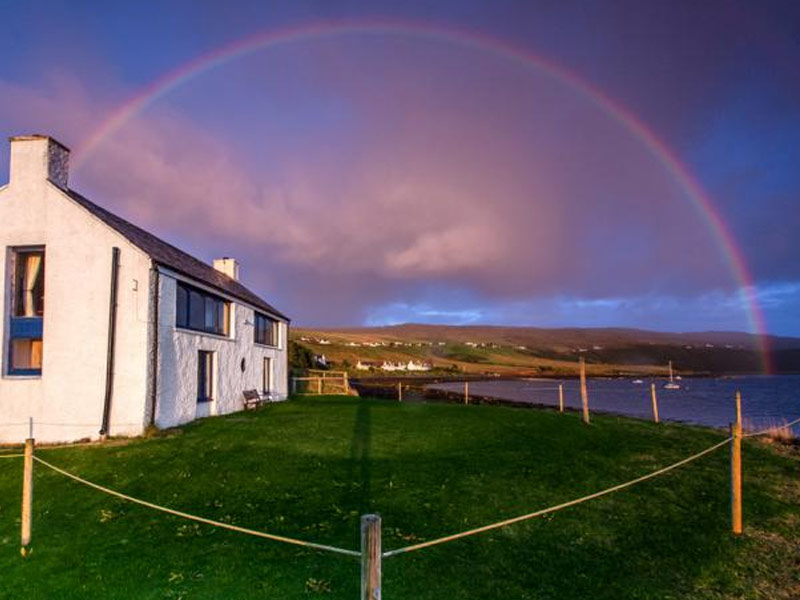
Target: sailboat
{"points": [[671, 385]]}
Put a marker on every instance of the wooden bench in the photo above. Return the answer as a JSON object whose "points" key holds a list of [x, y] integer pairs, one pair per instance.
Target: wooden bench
{"points": [[252, 399]]}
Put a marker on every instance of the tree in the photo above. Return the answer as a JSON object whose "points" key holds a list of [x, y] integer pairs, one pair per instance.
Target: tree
{"points": [[300, 357]]}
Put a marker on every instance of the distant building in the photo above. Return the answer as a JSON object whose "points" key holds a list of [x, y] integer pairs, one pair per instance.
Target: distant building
{"points": [[106, 329], [364, 365], [390, 366], [417, 366]]}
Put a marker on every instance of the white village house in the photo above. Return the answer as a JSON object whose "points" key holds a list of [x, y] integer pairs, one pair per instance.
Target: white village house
{"points": [[107, 329]]}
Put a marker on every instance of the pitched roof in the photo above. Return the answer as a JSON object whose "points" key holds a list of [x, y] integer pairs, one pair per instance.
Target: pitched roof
{"points": [[169, 256]]}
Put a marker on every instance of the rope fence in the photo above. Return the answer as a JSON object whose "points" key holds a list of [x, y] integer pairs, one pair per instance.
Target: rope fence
{"points": [[371, 554], [557, 507], [191, 517]]}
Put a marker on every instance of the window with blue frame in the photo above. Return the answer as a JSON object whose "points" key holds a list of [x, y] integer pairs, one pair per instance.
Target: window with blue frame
{"points": [[25, 345]]}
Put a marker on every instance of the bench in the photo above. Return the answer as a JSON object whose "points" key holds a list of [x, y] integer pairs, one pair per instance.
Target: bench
{"points": [[252, 399]]}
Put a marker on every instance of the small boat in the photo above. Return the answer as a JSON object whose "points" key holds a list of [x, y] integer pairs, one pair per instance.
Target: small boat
{"points": [[637, 381], [671, 385]]}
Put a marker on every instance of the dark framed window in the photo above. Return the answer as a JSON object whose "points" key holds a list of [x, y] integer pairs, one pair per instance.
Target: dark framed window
{"points": [[201, 311], [266, 330], [205, 376], [25, 345]]}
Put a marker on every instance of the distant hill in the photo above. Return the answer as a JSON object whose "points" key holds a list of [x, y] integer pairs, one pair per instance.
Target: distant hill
{"points": [[532, 350]]}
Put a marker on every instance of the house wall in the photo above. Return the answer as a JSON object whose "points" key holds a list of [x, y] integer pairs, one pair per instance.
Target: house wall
{"points": [[178, 357], [66, 401]]}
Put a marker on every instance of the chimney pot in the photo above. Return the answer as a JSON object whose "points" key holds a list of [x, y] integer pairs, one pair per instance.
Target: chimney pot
{"points": [[38, 157], [229, 266]]}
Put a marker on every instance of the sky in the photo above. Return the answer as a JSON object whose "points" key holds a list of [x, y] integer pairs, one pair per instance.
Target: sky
{"points": [[549, 164]]}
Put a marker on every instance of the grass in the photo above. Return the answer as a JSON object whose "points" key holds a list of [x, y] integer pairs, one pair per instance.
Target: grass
{"points": [[309, 468]]}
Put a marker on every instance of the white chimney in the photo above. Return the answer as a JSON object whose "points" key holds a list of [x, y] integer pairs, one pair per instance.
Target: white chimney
{"points": [[229, 266], [38, 157]]}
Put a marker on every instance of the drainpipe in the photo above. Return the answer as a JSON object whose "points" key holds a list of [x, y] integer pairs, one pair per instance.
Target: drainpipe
{"points": [[155, 282], [112, 335]]}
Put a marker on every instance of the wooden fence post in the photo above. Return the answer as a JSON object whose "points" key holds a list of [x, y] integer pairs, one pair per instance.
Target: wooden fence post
{"points": [[370, 557], [739, 408], [584, 392], [560, 397], [399, 391], [466, 392], [346, 383], [27, 497], [736, 469], [319, 385], [294, 385], [655, 402]]}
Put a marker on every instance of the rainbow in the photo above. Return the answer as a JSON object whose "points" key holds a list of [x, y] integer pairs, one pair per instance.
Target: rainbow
{"points": [[612, 108]]}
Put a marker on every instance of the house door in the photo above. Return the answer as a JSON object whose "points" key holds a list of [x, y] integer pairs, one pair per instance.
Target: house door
{"points": [[266, 385], [205, 383]]}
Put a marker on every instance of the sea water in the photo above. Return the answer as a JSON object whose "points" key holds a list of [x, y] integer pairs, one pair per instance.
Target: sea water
{"points": [[766, 400]]}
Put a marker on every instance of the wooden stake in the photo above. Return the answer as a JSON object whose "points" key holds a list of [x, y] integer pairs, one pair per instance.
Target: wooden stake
{"points": [[370, 557], [584, 392], [466, 392], [27, 497], [736, 479], [739, 408], [346, 383], [399, 392], [560, 397], [736, 469], [655, 402], [319, 385]]}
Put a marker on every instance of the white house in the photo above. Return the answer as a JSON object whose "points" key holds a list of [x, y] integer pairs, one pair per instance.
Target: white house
{"points": [[107, 329], [365, 365], [418, 366], [390, 366]]}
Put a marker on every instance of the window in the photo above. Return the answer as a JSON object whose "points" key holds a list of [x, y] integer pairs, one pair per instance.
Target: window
{"points": [[201, 311], [28, 283], [205, 376], [266, 386], [266, 330], [25, 347]]}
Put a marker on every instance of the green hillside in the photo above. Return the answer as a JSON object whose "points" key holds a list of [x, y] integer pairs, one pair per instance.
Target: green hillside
{"points": [[550, 352]]}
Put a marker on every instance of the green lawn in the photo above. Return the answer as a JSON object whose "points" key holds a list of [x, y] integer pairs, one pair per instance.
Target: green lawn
{"points": [[309, 468]]}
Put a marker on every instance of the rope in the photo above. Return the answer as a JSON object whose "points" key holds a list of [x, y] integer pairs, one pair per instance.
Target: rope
{"points": [[552, 509], [177, 513], [768, 430], [37, 423]]}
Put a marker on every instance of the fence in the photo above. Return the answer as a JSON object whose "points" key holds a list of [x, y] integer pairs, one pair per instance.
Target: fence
{"points": [[371, 552], [321, 382]]}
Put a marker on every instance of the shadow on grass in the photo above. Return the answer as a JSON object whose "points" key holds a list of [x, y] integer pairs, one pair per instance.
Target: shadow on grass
{"points": [[360, 462]]}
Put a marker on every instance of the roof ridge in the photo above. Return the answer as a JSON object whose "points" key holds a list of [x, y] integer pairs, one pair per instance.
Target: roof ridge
{"points": [[171, 256]]}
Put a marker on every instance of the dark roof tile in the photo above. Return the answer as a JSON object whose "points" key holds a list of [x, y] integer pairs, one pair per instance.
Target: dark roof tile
{"points": [[169, 256]]}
